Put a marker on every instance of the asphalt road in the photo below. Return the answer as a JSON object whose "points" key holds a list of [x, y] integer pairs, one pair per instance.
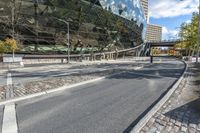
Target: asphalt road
{"points": [[111, 105], [41, 73], [3, 78], [1, 116]]}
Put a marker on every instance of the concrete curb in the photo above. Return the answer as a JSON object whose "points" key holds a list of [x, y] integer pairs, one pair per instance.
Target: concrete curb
{"points": [[3, 71], [59, 89], [156, 107]]}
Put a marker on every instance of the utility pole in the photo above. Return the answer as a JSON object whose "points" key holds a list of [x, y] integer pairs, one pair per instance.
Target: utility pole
{"points": [[198, 35], [13, 28], [68, 43], [36, 23]]}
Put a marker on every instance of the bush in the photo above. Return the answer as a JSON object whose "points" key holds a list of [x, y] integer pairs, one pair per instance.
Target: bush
{"points": [[8, 45]]}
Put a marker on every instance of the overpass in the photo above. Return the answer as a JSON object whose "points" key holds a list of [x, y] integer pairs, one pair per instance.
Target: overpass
{"points": [[165, 43]]}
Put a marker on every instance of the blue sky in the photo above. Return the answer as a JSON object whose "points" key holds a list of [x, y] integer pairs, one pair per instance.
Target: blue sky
{"points": [[171, 14]]}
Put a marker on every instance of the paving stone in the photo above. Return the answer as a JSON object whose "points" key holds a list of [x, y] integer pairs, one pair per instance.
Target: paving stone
{"points": [[174, 116], [172, 121], [185, 124], [183, 129], [162, 116], [198, 127], [191, 130], [193, 126], [157, 120], [168, 128], [153, 129], [146, 128], [170, 124], [142, 131], [150, 122], [177, 123], [166, 119], [176, 128]]}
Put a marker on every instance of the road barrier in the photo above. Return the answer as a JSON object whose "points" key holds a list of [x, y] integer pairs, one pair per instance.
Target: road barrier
{"points": [[113, 55], [36, 59]]}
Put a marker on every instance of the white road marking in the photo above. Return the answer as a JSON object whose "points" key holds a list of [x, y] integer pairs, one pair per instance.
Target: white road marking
{"points": [[138, 68], [9, 88], [9, 79], [9, 119]]}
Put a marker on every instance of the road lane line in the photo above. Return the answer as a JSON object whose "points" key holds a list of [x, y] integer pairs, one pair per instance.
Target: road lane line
{"points": [[9, 88], [9, 79], [65, 87], [9, 119]]}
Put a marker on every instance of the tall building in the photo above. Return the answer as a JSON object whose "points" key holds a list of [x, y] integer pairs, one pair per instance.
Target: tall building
{"points": [[145, 5], [95, 23], [154, 33]]}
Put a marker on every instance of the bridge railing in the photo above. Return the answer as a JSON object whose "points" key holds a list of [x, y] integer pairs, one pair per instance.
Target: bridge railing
{"points": [[166, 41]]}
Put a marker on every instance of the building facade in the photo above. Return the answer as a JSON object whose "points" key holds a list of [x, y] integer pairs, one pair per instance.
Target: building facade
{"points": [[154, 33], [145, 5], [92, 23]]}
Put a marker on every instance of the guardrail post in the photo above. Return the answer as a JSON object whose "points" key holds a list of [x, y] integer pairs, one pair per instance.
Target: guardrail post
{"points": [[124, 53]]}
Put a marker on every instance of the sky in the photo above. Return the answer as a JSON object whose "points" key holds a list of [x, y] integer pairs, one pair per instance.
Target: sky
{"points": [[170, 14]]}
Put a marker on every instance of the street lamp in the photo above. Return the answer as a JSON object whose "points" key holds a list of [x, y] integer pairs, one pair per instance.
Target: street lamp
{"points": [[68, 48], [198, 35], [13, 28]]}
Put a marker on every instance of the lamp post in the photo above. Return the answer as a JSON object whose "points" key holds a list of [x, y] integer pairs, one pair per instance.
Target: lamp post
{"points": [[198, 35], [36, 22], [68, 45], [13, 29]]}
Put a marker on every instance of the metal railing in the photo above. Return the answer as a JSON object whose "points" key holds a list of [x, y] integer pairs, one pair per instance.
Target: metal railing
{"points": [[78, 55]]}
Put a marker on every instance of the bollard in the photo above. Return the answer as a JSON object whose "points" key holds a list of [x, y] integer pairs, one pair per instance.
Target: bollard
{"points": [[151, 59]]}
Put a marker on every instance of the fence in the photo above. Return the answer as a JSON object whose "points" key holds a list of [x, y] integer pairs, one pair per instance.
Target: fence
{"points": [[37, 59]]}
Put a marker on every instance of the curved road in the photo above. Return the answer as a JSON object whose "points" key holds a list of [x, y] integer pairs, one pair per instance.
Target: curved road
{"points": [[112, 105]]}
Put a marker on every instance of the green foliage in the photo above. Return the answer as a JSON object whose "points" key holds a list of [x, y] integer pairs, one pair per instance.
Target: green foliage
{"points": [[189, 34], [8, 45], [2, 47]]}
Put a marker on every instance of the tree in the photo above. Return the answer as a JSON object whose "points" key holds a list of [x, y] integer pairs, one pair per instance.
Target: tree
{"points": [[10, 44], [189, 34], [2, 47]]}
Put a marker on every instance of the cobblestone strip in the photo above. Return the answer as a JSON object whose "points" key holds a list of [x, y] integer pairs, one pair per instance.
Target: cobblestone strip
{"points": [[2, 92], [23, 89], [180, 114], [9, 87]]}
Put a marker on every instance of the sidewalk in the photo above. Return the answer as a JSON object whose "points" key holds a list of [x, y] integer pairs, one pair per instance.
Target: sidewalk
{"points": [[181, 113]]}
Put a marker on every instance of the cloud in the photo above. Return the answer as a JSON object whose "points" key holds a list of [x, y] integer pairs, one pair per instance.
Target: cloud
{"points": [[188, 21], [169, 34], [172, 8]]}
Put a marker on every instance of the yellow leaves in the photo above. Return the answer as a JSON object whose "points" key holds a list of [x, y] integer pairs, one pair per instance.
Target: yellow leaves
{"points": [[11, 43], [181, 45], [8, 45], [2, 48]]}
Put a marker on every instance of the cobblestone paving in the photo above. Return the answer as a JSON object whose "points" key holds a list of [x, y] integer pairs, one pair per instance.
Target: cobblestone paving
{"points": [[52, 83], [181, 113], [22, 89], [2, 92]]}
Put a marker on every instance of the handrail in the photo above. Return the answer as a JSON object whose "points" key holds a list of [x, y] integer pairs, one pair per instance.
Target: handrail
{"points": [[77, 55]]}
